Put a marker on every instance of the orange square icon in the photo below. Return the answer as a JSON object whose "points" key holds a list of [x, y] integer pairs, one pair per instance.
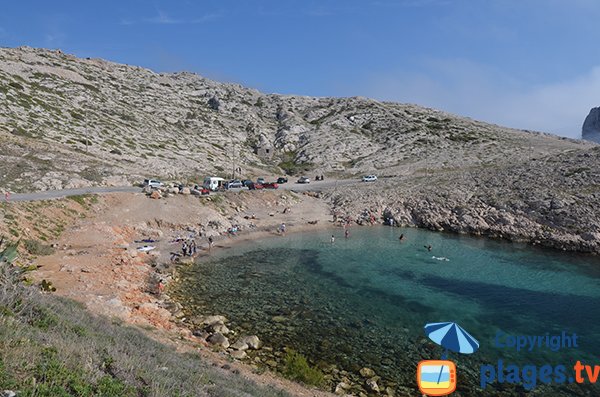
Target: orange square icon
{"points": [[436, 377]]}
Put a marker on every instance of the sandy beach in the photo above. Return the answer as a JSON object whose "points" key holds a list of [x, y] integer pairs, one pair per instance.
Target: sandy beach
{"points": [[97, 261]]}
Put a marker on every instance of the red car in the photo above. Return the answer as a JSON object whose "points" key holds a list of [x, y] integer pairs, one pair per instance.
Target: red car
{"points": [[270, 185], [255, 186]]}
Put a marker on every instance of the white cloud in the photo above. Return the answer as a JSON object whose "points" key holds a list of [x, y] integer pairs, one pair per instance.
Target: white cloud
{"points": [[469, 89], [162, 18]]}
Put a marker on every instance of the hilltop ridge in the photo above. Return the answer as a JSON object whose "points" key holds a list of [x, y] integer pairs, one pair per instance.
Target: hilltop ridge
{"points": [[72, 122]]}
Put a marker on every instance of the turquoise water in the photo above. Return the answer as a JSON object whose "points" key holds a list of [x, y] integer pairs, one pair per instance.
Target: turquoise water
{"points": [[363, 301]]}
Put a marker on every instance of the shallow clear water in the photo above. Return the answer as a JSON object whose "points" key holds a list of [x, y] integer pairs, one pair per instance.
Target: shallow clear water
{"points": [[363, 301]]}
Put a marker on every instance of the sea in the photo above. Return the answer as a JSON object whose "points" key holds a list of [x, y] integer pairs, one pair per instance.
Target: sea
{"points": [[363, 301]]}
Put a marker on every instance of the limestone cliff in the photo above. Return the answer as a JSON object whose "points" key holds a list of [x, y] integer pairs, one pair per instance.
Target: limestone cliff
{"points": [[591, 126]]}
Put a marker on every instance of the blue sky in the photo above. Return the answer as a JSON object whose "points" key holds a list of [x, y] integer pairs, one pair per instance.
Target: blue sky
{"points": [[531, 64]]}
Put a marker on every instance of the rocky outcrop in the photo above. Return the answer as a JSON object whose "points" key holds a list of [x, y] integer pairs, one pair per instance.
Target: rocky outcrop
{"points": [[555, 203], [591, 126]]}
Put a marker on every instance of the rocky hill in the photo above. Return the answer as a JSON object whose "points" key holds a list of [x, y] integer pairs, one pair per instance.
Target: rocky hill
{"points": [[591, 126], [69, 122]]}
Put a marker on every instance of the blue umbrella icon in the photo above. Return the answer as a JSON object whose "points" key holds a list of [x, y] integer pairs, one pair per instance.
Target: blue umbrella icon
{"points": [[453, 337]]}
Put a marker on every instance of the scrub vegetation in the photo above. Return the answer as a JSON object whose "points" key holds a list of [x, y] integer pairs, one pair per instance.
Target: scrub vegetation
{"points": [[52, 347]]}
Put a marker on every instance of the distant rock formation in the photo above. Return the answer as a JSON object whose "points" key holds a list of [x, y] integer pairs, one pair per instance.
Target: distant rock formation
{"points": [[591, 126]]}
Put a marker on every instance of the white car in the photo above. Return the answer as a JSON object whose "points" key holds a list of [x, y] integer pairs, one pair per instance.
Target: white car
{"points": [[153, 183], [303, 179], [369, 178]]}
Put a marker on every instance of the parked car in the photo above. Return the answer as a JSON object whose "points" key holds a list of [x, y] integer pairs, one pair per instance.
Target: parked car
{"points": [[281, 180], [153, 183], [304, 179], [260, 180], [203, 191], [255, 186], [270, 185], [369, 178], [235, 184], [246, 182]]}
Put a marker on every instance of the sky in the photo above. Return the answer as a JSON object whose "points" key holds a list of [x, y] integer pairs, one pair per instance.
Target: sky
{"points": [[529, 64]]}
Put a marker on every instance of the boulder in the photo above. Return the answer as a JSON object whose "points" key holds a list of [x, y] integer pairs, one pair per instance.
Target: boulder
{"points": [[252, 341], [238, 354], [240, 345], [218, 339], [186, 191], [155, 195], [220, 328]]}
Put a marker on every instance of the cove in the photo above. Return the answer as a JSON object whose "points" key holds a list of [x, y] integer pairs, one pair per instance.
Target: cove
{"points": [[363, 301]]}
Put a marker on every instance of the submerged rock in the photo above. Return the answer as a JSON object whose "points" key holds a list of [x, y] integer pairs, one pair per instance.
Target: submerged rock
{"points": [[372, 385], [341, 388], [367, 372]]}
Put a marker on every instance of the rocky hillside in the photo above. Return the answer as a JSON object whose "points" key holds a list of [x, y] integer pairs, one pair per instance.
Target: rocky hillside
{"points": [[68, 122], [552, 201]]}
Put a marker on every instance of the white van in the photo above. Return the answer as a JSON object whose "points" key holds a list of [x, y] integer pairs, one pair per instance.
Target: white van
{"points": [[153, 183], [213, 183]]}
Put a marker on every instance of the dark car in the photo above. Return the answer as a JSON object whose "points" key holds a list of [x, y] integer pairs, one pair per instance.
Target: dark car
{"points": [[246, 182], [303, 179], [270, 185], [255, 186], [281, 180]]}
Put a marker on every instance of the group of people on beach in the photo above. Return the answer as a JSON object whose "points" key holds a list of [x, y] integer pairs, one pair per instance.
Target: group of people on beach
{"points": [[188, 248]]}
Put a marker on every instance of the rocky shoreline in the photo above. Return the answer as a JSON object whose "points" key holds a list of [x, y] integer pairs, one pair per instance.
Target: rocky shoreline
{"points": [[555, 204]]}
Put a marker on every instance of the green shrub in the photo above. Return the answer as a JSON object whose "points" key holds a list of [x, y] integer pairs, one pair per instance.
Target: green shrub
{"points": [[35, 247], [297, 368], [84, 199]]}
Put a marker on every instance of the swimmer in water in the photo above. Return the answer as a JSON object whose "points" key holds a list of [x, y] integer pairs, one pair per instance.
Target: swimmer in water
{"points": [[428, 247]]}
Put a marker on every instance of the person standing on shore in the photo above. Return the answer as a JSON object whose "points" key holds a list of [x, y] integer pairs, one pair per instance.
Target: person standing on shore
{"points": [[6, 196], [210, 243], [332, 239], [346, 233], [282, 228]]}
